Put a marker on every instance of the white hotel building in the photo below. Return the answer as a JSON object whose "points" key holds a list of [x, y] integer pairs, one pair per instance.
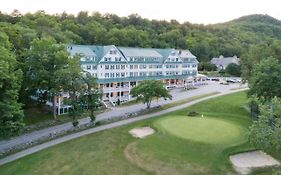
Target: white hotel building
{"points": [[118, 69]]}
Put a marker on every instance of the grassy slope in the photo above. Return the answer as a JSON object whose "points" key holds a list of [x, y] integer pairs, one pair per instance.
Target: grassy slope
{"points": [[108, 152]]}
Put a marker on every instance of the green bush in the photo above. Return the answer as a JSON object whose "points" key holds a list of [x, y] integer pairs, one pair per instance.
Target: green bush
{"points": [[75, 123], [192, 113]]}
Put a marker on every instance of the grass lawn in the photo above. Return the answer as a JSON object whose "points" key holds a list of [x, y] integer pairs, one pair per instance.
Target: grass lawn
{"points": [[181, 145], [35, 115], [205, 130]]}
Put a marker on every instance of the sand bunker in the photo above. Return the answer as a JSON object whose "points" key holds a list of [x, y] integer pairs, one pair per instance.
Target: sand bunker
{"points": [[245, 162], [141, 132]]}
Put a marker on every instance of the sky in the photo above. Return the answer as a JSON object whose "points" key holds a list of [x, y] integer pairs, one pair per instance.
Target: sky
{"points": [[194, 11]]}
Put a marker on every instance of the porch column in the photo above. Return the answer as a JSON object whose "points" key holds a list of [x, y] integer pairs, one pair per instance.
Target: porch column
{"points": [[59, 106], [129, 90]]}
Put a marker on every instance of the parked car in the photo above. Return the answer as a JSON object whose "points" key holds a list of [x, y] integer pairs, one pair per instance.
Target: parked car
{"points": [[224, 83], [231, 81], [215, 79]]}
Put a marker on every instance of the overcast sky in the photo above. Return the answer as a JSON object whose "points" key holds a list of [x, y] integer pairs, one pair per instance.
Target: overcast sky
{"points": [[195, 11]]}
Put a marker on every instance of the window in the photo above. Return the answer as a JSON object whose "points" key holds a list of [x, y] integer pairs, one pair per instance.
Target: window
{"points": [[112, 51], [131, 66], [111, 66], [94, 67], [131, 74], [117, 66], [143, 66], [136, 66], [88, 67], [122, 74], [122, 66], [106, 75], [111, 75], [117, 75], [117, 58], [106, 67]]}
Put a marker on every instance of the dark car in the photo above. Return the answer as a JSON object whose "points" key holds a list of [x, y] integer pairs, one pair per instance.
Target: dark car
{"points": [[215, 79]]}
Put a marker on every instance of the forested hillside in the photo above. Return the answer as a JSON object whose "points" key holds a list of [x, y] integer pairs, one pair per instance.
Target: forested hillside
{"points": [[205, 41]]}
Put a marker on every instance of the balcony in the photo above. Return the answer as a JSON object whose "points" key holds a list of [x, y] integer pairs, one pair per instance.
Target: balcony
{"points": [[115, 89], [115, 99]]}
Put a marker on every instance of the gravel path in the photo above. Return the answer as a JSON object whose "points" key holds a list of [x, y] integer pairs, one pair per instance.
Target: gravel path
{"points": [[104, 127]]}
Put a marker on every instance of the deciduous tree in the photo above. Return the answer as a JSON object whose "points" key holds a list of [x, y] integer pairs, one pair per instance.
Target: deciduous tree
{"points": [[149, 89], [45, 60], [11, 115]]}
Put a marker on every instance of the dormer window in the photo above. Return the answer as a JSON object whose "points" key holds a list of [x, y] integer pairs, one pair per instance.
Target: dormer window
{"points": [[112, 51]]}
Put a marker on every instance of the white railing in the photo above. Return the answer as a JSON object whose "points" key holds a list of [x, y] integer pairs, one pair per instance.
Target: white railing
{"points": [[115, 99], [115, 89]]}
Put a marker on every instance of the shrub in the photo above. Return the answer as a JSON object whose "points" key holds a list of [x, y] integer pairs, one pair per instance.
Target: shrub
{"points": [[192, 113], [75, 123]]}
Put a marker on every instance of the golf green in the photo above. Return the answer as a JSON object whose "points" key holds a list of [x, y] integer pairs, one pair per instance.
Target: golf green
{"points": [[205, 130]]}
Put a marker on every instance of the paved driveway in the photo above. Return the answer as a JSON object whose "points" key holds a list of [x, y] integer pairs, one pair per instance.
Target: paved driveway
{"points": [[118, 111]]}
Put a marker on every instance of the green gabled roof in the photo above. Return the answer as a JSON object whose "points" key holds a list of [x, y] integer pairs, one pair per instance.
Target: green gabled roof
{"points": [[80, 49], [139, 52], [98, 50], [187, 54], [125, 52], [164, 52]]}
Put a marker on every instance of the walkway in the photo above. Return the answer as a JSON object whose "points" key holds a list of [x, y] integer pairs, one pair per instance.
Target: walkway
{"points": [[104, 127]]}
